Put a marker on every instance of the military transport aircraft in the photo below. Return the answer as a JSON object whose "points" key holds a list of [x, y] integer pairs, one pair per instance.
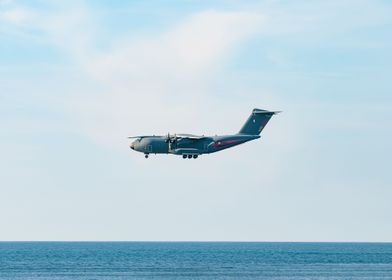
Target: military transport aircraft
{"points": [[191, 146]]}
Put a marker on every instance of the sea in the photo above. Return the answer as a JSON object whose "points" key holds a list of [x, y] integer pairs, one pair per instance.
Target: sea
{"points": [[194, 260]]}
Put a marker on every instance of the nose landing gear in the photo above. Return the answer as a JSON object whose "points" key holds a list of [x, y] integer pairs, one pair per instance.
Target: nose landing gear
{"points": [[146, 155]]}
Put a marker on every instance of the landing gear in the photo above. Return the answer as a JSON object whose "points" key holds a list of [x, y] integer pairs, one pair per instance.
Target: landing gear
{"points": [[146, 155], [190, 156]]}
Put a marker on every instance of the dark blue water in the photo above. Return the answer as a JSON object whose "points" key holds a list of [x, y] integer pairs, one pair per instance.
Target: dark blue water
{"points": [[194, 260]]}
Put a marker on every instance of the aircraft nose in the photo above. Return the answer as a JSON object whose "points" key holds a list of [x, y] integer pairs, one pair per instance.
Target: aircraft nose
{"points": [[132, 146]]}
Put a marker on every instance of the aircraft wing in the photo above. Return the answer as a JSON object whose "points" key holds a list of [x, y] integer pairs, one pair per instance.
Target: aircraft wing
{"points": [[190, 136], [177, 136], [143, 136]]}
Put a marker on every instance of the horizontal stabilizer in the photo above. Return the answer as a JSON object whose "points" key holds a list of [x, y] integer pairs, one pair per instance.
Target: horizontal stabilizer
{"points": [[260, 111]]}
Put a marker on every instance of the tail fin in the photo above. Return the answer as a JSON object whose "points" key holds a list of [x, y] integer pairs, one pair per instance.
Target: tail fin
{"points": [[256, 122]]}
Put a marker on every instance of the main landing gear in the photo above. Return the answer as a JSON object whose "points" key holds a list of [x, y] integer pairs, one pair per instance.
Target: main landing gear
{"points": [[189, 156], [146, 155]]}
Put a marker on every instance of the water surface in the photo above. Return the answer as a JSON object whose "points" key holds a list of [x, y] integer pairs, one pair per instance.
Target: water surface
{"points": [[194, 260]]}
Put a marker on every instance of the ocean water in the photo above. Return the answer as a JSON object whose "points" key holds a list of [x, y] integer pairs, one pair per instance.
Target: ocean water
{"points": [[194, 260]]}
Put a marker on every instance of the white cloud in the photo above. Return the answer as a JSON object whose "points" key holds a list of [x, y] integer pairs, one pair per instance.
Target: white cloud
{"points": [[206, 37], [166, 73], [189, 50], [15, 16]]}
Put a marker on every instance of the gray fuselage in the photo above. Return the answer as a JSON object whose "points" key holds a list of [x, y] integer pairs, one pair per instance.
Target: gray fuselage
{"points": [[188, 146], [191, 146]]}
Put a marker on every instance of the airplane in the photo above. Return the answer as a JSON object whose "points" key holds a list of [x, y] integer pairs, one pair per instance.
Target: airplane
{"points": [[192, 146]]}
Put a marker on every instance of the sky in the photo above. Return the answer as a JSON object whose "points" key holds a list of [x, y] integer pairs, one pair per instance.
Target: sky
{"points": [[78, 77]]}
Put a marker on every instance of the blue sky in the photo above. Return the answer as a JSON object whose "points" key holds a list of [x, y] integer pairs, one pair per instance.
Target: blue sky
{"points": [[78, 77]]}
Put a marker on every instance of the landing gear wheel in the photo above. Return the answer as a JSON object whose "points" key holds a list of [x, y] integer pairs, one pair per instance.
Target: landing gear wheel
{"points": [[184, 156], [189, 156], [194, 156], [146, 155]]}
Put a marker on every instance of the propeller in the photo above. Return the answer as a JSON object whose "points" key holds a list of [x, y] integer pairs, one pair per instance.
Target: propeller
{"points": [[171, 138]]}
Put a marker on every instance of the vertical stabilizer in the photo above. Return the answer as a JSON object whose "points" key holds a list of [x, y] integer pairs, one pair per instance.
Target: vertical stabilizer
{"points": [[256, 122]]}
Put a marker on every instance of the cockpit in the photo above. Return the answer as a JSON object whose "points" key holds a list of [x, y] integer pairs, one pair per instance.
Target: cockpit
{"points": [[135, 143]]}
